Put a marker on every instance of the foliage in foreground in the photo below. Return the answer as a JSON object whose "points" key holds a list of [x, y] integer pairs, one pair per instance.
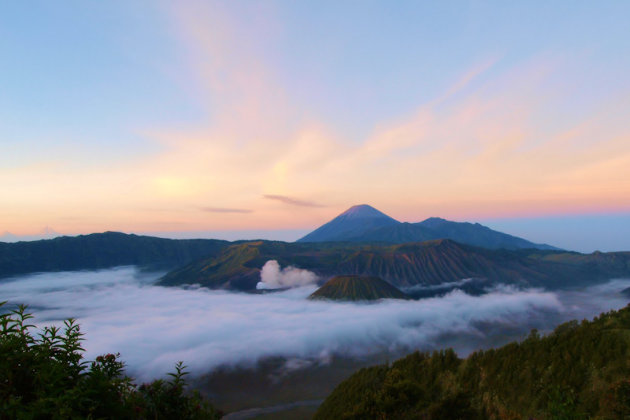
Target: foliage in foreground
{"points": [[580, 371], [45, 376]]}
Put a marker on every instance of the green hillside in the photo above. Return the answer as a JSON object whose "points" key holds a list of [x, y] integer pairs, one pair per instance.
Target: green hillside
{"points": [[236, 265], [357, 288], [580, 371], [426, 263]]}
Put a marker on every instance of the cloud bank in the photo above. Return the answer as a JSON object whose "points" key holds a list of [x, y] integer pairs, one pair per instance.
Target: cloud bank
{"points": [[120, 310], [274, 277]]}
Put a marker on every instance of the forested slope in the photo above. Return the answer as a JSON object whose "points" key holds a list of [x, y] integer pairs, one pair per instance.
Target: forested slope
{"points": [[102, 250], [580, 371]]}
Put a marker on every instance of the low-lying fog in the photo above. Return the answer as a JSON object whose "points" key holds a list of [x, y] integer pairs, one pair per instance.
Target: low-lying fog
{"points": [[120, 310]]}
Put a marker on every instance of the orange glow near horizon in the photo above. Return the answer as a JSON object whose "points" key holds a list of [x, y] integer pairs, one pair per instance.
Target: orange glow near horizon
{"points": [[488, 146]]}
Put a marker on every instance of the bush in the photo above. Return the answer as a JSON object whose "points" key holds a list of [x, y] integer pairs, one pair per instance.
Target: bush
{"points": [[45, 376]]}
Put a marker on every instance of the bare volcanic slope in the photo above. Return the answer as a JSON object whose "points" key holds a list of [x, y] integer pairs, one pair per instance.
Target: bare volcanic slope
{"points": [[357, 288]]}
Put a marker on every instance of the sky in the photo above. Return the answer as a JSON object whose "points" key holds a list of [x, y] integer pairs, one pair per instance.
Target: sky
{"points": [[270, 118]]}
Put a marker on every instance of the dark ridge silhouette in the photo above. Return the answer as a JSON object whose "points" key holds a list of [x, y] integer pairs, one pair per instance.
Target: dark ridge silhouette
{"points": [[102, 250]]}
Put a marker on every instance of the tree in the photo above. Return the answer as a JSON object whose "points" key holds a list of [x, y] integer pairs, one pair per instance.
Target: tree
{"points": [[46, 376]]}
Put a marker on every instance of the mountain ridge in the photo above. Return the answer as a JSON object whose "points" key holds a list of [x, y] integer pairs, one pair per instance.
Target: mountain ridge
{"points": [[364, 223], [236, 265], [102, 250], [405, 265]]}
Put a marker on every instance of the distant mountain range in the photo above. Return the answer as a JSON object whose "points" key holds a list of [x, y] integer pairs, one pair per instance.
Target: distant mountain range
{"points": [[236, 265], [364, 223], [361, 241], [46, 233], [102, 250]]}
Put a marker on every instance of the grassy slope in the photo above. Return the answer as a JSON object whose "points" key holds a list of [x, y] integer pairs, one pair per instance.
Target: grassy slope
{"points": [[581, 370], [426, 263]]}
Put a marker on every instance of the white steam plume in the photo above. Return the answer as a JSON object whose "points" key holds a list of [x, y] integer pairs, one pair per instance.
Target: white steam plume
{"points": [[274, 277]]}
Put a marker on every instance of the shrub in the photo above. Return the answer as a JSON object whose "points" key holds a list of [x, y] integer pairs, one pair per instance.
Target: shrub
{"points": [[46, 376]]}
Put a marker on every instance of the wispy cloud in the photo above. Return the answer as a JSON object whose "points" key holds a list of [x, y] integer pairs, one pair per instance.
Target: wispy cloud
{"points": [[505, 139], [466, 79], [292, 201], [224, 210]]}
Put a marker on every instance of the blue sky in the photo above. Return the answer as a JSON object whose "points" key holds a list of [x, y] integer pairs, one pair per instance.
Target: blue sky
{"points": [[182, 117]]}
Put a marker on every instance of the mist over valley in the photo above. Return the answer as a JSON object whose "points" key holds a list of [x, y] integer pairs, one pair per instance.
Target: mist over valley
{"points": [[123, 310]]}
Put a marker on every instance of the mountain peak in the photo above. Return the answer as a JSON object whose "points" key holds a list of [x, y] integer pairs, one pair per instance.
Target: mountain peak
{"points": [[351, 223], [433, 222], [435, 219], [363, 211], [364, 223]]}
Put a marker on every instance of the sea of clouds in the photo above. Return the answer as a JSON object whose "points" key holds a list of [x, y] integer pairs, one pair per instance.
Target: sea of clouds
{"points": [[121, 310]]}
